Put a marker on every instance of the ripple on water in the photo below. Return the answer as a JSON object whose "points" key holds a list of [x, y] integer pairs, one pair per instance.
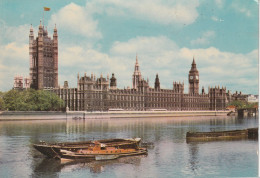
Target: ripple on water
{"points": [[171, 156]]}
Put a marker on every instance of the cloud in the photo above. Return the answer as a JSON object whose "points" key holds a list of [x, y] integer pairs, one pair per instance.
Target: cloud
{"points": [[83, 59], [13, 33], [241, 9], [77, 20], [219, 3], [173, 63], [180, 12], [161, 55], [204, 39], [148, 45], [156, 55], [13, 61]]}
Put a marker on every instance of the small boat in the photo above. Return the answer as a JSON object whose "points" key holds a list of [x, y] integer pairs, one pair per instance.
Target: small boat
{"points": [[53, 150], [222, 135], [106, 157], [100, 151]]}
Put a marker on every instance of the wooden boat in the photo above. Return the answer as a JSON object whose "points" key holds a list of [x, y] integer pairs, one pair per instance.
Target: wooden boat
{"points": [[53, 150], [100, 151], [221, 135]]}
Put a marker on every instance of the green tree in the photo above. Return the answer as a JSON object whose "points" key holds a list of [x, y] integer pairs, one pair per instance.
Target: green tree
{"points": [[32, 100], [11, 99], [242, 104], [2, 103]]}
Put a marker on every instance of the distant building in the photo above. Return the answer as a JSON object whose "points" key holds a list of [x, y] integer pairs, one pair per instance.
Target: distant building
{"points": [[252, 98], [43, 52], [27, 82], [21, 83], [102, 94], [18, 83], [239, 96]]}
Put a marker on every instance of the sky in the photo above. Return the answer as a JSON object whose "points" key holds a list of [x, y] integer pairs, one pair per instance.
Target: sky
{"points": [[105, 36]]}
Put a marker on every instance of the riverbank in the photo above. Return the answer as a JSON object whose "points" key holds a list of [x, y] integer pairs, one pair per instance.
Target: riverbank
{"points": [[56, 115], [32, 115]]}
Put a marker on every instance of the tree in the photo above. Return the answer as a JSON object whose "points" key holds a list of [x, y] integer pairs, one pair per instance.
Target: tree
{"points": [[32, 100], [242, 104], [11, 100], [2, 103]]}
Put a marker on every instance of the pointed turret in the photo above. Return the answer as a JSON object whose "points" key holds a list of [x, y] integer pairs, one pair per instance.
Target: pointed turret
{"points": [[203, 91], [136, 64], [45, 31], [55, 34], [137, 74], [55, 52], [31, 32], [40, 32], [92, 76], [113, 84], [193, 66], [31, 39], [157, 83]]}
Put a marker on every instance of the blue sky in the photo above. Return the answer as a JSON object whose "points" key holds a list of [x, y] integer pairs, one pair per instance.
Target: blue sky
{"points": [[104, 36]]}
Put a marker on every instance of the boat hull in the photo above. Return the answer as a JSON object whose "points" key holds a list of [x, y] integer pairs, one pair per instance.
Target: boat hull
{"points": [[49, 151], [221, 135], [53, 150], [70, 156]]}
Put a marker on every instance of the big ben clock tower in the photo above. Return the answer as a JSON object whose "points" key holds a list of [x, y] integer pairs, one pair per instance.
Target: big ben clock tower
{"points": [[193, 79]]}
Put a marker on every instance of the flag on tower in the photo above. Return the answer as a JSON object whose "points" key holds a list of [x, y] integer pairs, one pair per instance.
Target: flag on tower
{"points": [[47, 9]]}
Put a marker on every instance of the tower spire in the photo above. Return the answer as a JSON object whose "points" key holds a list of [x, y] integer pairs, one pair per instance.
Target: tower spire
{"points": [[193, 62], [137, 74]]}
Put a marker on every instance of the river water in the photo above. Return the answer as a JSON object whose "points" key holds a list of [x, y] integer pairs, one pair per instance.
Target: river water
{"points": [[170, 155]]}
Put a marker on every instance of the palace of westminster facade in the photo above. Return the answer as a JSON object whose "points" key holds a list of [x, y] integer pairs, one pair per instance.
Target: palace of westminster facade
{"points": [[102, 94]]}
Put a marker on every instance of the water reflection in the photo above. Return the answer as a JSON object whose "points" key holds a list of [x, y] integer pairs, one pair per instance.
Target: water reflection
{"points": [[193, 156], [171, 154], [49, 167], [46, 167]]}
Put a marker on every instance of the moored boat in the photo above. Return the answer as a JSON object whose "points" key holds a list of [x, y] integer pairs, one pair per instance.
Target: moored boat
{"points": [[53, 150], [100, 151], [222, 135]]}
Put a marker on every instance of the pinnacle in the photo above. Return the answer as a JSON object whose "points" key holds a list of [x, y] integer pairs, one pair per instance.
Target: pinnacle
{"points": [[193, 62]]}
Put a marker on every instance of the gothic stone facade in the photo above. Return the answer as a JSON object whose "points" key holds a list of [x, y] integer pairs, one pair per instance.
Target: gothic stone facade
{"points": [[43, 52], [102, 94]]}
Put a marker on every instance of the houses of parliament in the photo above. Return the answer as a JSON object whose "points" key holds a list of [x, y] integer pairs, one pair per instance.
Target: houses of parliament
{"points": [[101, 93]]}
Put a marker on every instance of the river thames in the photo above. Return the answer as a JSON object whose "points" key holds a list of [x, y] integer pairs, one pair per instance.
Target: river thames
{"points": [[170, 155]]}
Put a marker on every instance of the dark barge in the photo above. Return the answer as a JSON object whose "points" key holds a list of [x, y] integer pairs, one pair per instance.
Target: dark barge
{"points": [[251, 133]]}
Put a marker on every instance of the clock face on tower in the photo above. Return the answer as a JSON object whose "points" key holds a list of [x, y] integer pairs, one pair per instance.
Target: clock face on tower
{"points": [[197, 77], [191, 77]]}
